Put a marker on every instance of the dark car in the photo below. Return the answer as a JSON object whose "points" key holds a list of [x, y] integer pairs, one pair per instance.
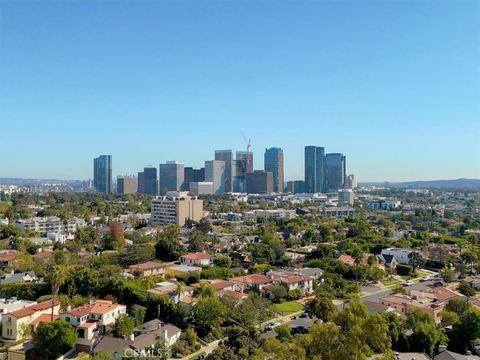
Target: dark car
{"points": [[438, 283], [299, 330]]}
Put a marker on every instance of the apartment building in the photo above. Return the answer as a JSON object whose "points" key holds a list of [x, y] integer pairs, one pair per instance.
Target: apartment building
{"points": [[175, 208]]}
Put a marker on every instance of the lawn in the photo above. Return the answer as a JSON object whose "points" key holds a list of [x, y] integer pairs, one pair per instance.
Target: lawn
{"points": [[421, 273], [287, 307], [390, 281]]}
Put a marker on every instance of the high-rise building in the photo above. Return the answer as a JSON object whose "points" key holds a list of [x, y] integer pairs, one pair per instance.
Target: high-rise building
{"points": [[314, 169], [215, 173], [102, 174], [351, 182], [274, 164], [335, 166], [175, 208], [192, 175], [290, 186], [150, 180], [243, 166], [259, 182], [171, 176], [298, 187], [141, 182], [126, 185], [227, 157]]}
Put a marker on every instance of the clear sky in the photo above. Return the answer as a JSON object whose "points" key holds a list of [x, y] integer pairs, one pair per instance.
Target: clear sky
{"points": [[394, 85]]}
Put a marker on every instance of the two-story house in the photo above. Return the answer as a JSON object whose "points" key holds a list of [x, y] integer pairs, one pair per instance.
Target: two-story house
{"points": [[92, 319], [16, 323], [149, 268], [198, 259]]}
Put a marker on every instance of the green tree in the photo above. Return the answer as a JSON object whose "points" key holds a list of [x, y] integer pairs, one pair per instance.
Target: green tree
{"points": [[58, 276], [124, 326], [449, 318], [321, 307], [278, 291], [168, 248], [160, 349], [425, 335], [204, 291], [82, 281], [138, 314], [466, 289], [54, 339], [447, 274], [208, 313], [222, 261], [284, 332], [415, 260], [458, 306]]}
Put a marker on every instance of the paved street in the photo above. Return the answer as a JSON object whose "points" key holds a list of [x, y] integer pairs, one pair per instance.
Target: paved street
{"points": [[305, 322]]}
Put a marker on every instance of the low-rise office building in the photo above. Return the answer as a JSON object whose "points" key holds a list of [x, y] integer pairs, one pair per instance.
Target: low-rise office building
{"points": [[275, 214]]}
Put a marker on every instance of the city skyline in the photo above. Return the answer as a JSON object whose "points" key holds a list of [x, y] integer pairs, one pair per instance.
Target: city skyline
{"points": [[393, 85]]}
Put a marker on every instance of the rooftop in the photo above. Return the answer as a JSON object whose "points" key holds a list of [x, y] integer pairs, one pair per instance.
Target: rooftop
{"points": [[197, 256]]}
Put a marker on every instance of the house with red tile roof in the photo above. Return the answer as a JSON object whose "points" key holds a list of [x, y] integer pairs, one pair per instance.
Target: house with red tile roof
{"points": [[198, 259], [15, 322], [246, 282], [8, 257], [92, 319]]}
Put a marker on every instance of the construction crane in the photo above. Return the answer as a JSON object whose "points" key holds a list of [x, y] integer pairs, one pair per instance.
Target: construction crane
{"points": [[247, 162]]}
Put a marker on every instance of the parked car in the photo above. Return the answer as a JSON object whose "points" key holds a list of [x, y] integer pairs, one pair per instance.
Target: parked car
{"points": [[271, 326], [299, 330], [408, 283], [424, 278], [438, 283]]}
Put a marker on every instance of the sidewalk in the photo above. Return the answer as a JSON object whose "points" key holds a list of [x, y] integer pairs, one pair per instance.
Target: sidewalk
{"points": [[206, 349]]}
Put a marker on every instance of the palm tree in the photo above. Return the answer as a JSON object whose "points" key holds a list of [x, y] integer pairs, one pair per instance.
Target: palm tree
{"points": [[58, 276], [204, 291], [180, 289]]}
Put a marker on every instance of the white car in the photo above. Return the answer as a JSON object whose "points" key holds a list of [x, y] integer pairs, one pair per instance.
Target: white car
{"points": [[271, 326], [424, 278]]}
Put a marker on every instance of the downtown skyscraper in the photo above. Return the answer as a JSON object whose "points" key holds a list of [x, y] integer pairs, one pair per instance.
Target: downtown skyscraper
{"points": [[274, 164], [172, 175], [227, 157], [102, 174], [335, 168], [150, 182], [314, 169]]}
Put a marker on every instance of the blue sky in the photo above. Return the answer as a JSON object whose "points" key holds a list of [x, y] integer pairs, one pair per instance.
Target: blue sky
{"points": [[394, 85]]}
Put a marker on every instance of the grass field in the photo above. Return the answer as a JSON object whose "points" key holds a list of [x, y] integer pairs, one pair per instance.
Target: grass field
{"points": [[391, 281], [287, 307]]}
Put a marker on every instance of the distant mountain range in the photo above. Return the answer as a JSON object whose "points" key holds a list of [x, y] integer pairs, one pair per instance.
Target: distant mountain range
{"points": [[430, 184]]}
